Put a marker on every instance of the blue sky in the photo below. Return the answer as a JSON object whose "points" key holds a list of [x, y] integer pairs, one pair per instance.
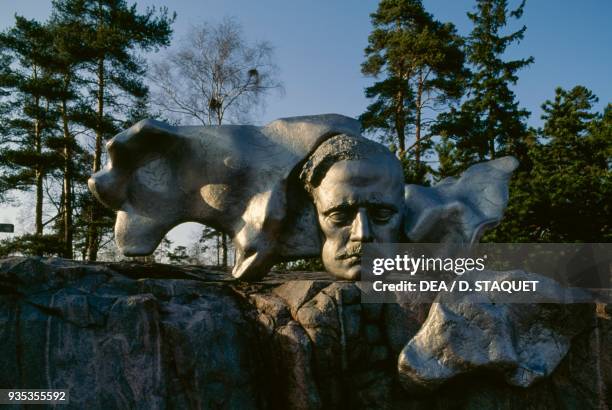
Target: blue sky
{"points": [[319, 48], [319, 45]]}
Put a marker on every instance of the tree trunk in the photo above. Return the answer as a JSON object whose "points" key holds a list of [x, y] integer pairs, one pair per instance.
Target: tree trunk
{"points": [[67, 185], [417, 132], [218, 250], [223, 235], [400, 122], [84, 248], [224, 249], [38, 175], [491, 121], [38, 179], [100, 117], [93, 240], [39, 200]]}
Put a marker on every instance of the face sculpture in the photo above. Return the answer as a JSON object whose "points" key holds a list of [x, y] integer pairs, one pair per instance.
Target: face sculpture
{"points": [[358, 194]]}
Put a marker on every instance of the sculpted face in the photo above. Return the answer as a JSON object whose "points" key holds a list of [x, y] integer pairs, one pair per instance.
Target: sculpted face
{"points": [[357, 201]]}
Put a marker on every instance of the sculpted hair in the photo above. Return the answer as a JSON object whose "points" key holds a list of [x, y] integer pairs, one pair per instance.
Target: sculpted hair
{"points": [[338, 148]]}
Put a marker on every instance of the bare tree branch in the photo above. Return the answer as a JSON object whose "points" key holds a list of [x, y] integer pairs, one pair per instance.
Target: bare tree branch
{"points": [[215, 76]]}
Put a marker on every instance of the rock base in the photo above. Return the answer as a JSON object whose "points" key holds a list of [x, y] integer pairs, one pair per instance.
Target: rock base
{"points": [[126, 335]]}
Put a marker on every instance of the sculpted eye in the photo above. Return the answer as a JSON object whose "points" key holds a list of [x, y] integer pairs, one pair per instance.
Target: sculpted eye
{"points": [[381, 215], [339, 217]]}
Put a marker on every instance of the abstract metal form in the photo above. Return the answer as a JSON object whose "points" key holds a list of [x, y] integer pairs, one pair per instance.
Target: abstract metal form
{"points": [[296, 188]]}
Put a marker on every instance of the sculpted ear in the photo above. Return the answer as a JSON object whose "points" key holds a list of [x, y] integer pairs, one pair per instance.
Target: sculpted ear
{"points": [[459, 210]]}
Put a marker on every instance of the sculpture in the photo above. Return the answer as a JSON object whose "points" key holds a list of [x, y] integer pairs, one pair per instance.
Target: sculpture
{"points": [[258, 184], [357, 188], [231, 177], [309, 186]]}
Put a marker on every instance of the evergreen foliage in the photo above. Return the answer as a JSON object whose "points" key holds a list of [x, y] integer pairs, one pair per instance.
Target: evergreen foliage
{"points": [[563, 195], [111, 33], [29, 114], [421, 62], [490, 122], [74, 77]]}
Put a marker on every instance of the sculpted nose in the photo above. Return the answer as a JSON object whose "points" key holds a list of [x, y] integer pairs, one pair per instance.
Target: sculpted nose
{"points": [[360, 230]]}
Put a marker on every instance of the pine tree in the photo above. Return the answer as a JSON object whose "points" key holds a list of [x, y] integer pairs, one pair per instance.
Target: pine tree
{"points": [[490, 122], [564, 196], [113, 33], [29, 114], [5, 110], [178, 256], [422, 62], [574, 163], [64, 63]]}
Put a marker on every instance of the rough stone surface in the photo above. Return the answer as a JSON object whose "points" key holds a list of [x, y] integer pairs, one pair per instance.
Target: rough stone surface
{"points": [[519, 342], [126, 335]]}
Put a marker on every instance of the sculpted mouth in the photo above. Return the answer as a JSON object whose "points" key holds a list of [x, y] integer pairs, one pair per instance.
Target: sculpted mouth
{"points": [[351, 254], [348, 256]]}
